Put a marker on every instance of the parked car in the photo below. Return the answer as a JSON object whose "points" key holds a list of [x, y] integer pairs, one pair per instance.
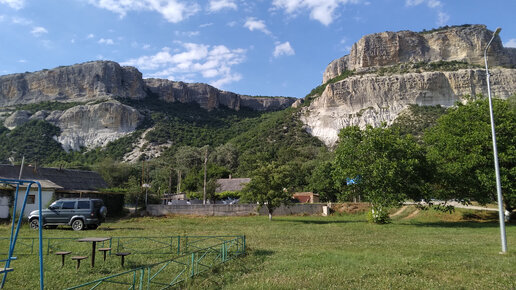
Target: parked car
{"points": [[76, 212]]}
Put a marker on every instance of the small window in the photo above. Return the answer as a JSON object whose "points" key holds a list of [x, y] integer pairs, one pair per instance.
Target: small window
{"points": [[68, 205], [31, 199], [83, 204]]}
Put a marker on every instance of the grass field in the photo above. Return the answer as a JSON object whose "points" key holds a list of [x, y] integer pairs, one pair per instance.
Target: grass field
{"points": [[427, 250]]}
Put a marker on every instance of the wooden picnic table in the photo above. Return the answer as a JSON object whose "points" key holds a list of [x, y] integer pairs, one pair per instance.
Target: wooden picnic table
{"points": [[93, 242]]}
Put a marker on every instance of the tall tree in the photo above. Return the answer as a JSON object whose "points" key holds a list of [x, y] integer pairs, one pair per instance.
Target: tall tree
{"points": [[460, 146], [186, 158], [226, 155], [269, 187], [389, 168]]}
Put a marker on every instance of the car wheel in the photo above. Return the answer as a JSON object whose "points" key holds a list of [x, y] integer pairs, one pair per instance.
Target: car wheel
{"points": [[34, 224], [77, 225], [93, 227]]}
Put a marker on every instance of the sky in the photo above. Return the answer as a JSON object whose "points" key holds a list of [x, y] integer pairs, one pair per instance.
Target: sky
{"points": [[260, 48]]}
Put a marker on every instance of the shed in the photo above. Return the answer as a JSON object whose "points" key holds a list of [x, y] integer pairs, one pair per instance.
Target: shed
{"points": [[231, 184], [53, 181], [306, 197]]}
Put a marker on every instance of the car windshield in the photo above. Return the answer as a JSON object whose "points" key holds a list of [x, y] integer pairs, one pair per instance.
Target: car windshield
{"points": [[56, 204]]}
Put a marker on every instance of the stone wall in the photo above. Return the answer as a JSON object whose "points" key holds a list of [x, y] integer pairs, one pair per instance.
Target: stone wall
{"points": [[231, 209]]}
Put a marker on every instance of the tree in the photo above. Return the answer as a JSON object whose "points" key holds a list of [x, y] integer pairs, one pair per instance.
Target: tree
{"points": [[226, 155], [460, 146], [269, 187], [186, 158], [321, 182], [390, 168]]}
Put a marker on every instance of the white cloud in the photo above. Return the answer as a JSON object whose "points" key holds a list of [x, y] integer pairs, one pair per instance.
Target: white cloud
{"points": [[172, 10], [193, 61], [442, 18], [15, 4], [187, 33], [510, 43], [283, 49], [38, 31], [21, 20], [106, 41], [90, 36], [217, 5], [320, 10], [256, 24], [22, 61], [413, 2]]}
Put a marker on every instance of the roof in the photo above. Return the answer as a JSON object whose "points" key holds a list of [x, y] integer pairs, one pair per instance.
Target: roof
{"points": [[60, 179], [231, 184]]}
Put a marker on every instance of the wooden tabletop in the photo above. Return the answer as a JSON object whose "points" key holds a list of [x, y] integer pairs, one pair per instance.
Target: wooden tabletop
{"points": [[93, 239]]}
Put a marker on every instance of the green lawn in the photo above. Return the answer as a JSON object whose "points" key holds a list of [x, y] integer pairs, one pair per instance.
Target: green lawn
{"points": [[432, 250]]}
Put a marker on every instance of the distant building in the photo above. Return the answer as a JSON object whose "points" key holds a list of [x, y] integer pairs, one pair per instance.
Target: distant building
{"points": [[231, 184], [306, 197], [55, 183]]}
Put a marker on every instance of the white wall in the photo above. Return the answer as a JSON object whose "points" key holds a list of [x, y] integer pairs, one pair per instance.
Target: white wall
{"points": [[4, 207], [47, 197]]}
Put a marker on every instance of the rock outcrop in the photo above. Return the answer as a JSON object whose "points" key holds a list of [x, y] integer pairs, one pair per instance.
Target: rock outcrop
{"points": [[95, 124], [90, 81], [86, 125], [369, 98], [210, 98], [460, 43]]}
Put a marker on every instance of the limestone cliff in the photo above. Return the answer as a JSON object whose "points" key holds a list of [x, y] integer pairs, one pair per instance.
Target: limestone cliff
{"points": [[460, 43], [95, 124], [210, 98], [370, 97], [84, 82], [86, 125]]}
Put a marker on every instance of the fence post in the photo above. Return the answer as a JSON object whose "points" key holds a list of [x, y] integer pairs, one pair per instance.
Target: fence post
{"points": [[178, 245], [244, 244], [193, 265]]}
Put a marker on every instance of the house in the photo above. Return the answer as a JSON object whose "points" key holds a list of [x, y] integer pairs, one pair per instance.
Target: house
{"points": [[55, 183], [306, 197], [231, 184]]}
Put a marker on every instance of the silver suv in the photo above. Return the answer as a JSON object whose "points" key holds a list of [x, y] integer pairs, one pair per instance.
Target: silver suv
{"points": [[76, 212]]}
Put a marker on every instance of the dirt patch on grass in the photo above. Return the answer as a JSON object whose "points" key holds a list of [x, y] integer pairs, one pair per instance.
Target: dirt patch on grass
{"points": [[402, 209], [351, 207], [412, 215]]}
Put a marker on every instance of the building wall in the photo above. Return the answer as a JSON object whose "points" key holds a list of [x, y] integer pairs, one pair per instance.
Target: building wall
{"points": [[32, 204], [231, 209], [4, 207]]}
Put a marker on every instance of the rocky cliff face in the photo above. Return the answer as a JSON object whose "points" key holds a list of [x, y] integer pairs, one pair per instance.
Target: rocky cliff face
{"points": [[371, 98], [79, 83], [85, 126], [93, 125], [210, 98], [463, 43]]}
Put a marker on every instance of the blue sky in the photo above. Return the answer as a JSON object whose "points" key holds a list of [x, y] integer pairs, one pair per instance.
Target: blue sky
{"points": [[268, 48]]}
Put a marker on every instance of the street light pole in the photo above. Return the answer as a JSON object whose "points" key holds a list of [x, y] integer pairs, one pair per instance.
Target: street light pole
{"points": [[495, 152]]}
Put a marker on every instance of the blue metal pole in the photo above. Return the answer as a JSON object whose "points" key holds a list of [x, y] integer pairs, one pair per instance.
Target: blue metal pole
{"points": [[41, 272]]}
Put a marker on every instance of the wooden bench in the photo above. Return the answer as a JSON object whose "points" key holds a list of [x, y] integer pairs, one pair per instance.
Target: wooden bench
{"points": [[63, 254], [78, 259], [122, 255], [104, 250]]}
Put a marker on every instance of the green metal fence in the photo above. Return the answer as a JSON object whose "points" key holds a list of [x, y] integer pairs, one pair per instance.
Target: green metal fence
{"points": [[167, 245], [171, 272]]}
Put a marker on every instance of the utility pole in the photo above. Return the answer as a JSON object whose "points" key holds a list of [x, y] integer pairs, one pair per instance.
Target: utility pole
{"points": [[205, 165]]}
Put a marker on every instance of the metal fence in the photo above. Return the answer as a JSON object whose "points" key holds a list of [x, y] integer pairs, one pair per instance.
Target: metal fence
{"points": [[171, 272], [167, 245]]}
